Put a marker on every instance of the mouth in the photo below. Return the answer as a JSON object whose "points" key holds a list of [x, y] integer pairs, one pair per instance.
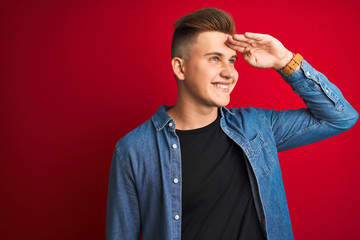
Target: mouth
{"points": [[224, 87]]}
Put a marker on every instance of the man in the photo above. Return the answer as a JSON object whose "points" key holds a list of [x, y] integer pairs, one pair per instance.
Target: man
{"points": [[200, 171]]}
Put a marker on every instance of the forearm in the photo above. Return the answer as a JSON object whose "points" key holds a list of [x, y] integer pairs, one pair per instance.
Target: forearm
{"points": [[327, 114], [323, 99]]}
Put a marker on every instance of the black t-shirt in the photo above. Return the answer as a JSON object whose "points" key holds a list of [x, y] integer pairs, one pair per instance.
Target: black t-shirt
{"points": [[217, 203]]}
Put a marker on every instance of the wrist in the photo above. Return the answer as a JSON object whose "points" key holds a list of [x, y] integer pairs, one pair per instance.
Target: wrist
{"points": [[292, 66], [284, 61]]}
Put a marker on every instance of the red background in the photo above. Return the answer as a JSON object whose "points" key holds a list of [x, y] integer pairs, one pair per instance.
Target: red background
{"points": [[78, 75]]}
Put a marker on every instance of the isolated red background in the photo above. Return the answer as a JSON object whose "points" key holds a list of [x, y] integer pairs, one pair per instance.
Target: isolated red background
{"points": [[78, 75]]}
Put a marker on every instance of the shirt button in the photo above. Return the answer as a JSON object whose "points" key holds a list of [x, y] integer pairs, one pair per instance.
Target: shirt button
{"points": [[174, 146], [327, 91], [177, 217], [176, 180], [308, 73], [170, 124]]}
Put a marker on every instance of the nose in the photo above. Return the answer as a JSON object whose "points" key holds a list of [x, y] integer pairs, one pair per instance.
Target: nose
{"points": [[227, 71]]}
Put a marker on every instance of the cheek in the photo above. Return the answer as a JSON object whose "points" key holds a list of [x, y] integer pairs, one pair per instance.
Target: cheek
{"points": [[207, 75], [199, 71], [236, 76]]}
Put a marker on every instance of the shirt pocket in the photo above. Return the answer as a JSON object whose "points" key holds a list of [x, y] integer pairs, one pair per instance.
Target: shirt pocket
{"points": [[261, 158]]}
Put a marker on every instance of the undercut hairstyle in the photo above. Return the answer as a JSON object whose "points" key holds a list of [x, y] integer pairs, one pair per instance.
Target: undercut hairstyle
{"points": [[188, 27]]}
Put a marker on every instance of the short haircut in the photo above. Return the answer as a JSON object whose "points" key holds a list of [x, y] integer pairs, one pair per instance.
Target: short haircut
{"points": [[188, 27]]}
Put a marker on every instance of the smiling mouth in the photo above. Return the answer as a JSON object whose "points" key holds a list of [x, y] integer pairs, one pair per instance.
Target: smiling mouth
{"points": [[222, 86]]}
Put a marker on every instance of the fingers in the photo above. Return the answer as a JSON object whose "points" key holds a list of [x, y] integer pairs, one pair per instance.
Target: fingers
{"points": [[243, 41], [232, 40], [236, 48], [234, 45], [240, 43], [242, 38], [244, 49], [255, 36], [249, 37], [246, 42]]}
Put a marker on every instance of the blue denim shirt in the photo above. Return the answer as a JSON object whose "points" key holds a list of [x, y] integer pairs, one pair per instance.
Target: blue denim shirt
{"points": [[145, 177]]}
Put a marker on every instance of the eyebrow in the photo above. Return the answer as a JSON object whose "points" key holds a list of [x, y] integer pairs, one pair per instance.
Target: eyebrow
{"points": [[219, 54]]}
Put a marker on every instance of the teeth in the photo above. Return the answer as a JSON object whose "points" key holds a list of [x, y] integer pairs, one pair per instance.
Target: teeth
{"points": [[223, 86]]}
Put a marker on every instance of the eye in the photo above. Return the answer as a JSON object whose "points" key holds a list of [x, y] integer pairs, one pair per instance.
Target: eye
{"points": [[214, 59], [232, 61]]}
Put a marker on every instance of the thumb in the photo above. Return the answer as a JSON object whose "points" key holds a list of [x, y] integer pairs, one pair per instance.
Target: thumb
{"points": [[249, 57]]}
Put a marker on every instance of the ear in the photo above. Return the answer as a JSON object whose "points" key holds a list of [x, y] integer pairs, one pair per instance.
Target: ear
{"points": [[178, 66]]}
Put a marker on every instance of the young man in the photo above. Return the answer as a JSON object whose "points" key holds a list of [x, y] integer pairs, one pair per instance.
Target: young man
{"points": [[200, 171]]}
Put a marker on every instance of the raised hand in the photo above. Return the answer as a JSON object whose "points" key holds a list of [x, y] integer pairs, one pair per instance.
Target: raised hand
{"points": [[260, 50]]}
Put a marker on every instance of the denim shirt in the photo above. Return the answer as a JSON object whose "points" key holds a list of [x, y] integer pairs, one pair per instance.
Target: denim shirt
{"points": [[145, 176]]}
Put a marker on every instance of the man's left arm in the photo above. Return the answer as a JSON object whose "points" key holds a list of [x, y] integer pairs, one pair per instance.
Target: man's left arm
{"points": [[328, 113]]}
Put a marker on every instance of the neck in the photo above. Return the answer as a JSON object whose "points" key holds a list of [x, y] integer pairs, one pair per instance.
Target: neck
{"points": [[189, 116]]}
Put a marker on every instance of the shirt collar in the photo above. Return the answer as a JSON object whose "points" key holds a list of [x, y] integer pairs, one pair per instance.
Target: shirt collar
{"points": [[160, 119], [224, 110]]}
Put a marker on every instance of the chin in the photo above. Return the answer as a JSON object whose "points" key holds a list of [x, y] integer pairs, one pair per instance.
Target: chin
{"points": [[222, 103]]}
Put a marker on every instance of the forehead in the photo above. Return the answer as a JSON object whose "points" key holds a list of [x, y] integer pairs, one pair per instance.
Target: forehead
{"points": [[212, 42]]}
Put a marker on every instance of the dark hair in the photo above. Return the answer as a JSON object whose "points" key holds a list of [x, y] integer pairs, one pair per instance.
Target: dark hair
{"points": [[189, 26]]}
